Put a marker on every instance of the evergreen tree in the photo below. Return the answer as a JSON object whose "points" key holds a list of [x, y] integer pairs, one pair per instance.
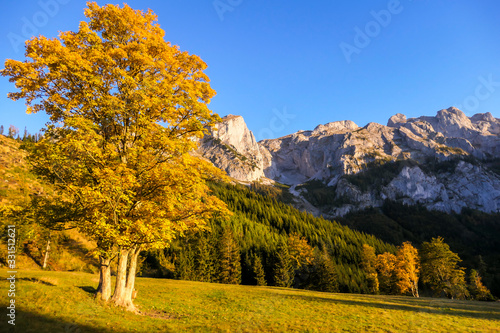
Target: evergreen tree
{"points": [[1, 129], [324, 277], [283, 266], [229, 258], [203, 261], [185, 264], [258, 271]]}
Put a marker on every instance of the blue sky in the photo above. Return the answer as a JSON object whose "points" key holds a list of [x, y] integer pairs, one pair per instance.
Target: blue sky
{"points": [[291, 65]]}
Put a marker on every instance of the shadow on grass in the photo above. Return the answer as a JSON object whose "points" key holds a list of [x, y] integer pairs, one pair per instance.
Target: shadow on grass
{"points": [[88, 289], [35, 280], [471, 309], [27, 322]]}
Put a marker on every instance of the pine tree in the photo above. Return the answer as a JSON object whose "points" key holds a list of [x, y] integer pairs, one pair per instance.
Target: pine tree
{"points": [[258, 271], [203, 261], [229, 259], [185, 264], [324, 277], [1, 129], [283, 267]]}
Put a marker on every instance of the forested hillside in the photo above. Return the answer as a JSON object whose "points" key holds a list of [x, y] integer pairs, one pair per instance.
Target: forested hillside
{"points": [[264, 228]]}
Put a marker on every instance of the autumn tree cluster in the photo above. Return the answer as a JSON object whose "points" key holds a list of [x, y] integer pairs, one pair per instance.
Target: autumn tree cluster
{"points": [[435, 264]]}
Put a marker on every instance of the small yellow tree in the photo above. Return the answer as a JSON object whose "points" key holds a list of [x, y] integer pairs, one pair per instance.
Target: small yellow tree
{"points": [[477, 289], [368, 263], [386, 265], [301, 252], [407, 269], [124, 107]]}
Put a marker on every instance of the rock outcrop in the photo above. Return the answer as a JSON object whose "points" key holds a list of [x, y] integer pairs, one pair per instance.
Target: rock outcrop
{"points": [[231, 147]]}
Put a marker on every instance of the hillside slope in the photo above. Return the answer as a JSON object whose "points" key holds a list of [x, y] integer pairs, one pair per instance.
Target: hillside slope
{"points": [[69, 250]]}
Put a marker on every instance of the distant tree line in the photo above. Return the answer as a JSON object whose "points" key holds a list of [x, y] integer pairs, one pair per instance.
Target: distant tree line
{"points": [[13, 133], [278, 245]]}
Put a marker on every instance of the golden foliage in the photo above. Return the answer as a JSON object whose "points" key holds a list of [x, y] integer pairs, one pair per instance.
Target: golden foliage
{"points": [[386, 263], [407, 269], [124, 107], [301, 253]]}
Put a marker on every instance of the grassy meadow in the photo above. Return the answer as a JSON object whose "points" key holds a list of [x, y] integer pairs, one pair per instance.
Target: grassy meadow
{"points": [[49, 301]]}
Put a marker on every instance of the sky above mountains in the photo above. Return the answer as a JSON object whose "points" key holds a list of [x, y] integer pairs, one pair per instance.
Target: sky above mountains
{"points": [[291, 65]]}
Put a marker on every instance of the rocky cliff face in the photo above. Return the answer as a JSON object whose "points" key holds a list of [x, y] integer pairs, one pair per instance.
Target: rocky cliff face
{"points": [[231, 147], [336, 152]]}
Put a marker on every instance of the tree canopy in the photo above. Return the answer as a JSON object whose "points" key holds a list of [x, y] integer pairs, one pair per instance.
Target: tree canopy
{"points": [[125, 110], [440, 269]]}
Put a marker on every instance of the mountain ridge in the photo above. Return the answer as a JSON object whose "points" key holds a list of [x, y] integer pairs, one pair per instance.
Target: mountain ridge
{"points": [[334, 151]]}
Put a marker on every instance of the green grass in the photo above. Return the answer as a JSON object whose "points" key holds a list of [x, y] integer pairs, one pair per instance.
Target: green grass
{"points": [[63, 302]]}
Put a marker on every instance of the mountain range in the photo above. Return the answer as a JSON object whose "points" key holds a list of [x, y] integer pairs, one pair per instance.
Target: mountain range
{"points": [[445, 162]]}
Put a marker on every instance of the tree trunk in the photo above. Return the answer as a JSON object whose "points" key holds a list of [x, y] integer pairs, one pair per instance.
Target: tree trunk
{"points": [[104, 288], [129, 288], [46, 256], [121, 278], [125, 278]]}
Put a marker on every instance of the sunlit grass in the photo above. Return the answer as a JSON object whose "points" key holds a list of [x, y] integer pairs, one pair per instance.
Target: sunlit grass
{"points": [[63, 302]]}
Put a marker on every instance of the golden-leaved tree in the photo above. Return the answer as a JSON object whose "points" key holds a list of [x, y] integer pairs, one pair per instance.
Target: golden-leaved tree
{"points": [[407, 269], [125, 108], [368, 263]]}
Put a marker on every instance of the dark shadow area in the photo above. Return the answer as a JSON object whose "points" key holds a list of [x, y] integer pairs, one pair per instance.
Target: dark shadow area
{"points": [[28, 322], [35, 280], [437, 306], [88, 289]]}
